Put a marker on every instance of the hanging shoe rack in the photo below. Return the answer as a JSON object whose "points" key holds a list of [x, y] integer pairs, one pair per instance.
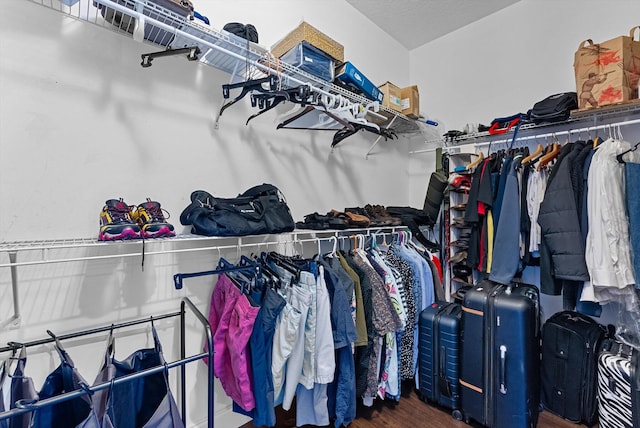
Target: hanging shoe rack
{"points": [[56, 251], [184, 359], [145, 21]]}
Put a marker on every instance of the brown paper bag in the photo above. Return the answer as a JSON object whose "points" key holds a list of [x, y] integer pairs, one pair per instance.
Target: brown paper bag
{"points": [[608, 72]]}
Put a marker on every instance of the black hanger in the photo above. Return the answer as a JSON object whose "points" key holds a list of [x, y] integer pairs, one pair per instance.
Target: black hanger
{"points": [[619, 157], [266, 101], [223, 267], [386, 133], [287, 265], [247, 86], [313, 107]]}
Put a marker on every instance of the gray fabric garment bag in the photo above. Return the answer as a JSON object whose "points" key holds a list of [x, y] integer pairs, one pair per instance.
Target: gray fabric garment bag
{"points": [[15, 387]]}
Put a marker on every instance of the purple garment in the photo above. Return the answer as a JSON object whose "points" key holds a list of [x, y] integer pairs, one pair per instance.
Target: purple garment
{"points": [[238, 381]]}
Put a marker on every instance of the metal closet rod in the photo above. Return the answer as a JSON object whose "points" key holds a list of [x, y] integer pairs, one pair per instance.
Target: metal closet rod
{"points": [[567, 132], [17, 345], [532, 137], [141, 19]]}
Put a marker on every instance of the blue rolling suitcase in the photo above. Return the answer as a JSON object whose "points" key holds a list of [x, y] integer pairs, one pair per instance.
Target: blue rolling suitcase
{"points": [[500, 355], [438, 353]]}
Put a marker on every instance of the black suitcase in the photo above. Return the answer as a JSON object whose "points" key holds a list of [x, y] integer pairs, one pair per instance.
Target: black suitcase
{"points": [[500, 349], [438, 353], [571, 343], [618, 387]]}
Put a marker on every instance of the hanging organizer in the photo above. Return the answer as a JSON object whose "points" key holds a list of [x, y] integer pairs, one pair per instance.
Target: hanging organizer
{"points": [[184, 359]]}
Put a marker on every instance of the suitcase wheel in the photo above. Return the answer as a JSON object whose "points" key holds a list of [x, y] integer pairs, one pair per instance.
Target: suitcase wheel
{"points": [[457, 415]]}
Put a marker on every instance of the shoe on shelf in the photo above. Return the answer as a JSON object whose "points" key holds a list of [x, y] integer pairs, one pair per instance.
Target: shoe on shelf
{"points": [[383, 213], [116, 222], [377, 220], [458, 257], [352, 219], [150, 216]]}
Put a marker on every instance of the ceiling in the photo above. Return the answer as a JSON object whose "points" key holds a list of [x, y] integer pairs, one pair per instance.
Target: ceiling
{"points": [[416, 22]]}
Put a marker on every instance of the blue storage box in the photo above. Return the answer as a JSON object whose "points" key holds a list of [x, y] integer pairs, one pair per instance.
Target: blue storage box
{"points": [[358, 82], [308, 58]]}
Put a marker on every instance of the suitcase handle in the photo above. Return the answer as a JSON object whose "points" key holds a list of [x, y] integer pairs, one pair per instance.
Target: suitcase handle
{"points": [[503, 368], [444, 384]]}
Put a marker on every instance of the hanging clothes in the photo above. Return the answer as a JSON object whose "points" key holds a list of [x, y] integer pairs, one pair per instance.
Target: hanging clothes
{"points": [[586, 304], [563, 255], [360, 321], [536, 184], [409, 282], [506, 261], [632, 182], [363, 354], [301, 296], [608, 251], [232, 317], [341, 400], [261, 343], [311, 403]]}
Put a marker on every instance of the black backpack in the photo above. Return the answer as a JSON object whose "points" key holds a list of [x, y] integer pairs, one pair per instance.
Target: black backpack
{"points": [[247, 32], [555, 108]]}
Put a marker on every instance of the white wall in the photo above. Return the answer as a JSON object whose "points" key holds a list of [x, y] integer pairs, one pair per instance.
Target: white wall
{"points": [[81, 122], [505, 62]]}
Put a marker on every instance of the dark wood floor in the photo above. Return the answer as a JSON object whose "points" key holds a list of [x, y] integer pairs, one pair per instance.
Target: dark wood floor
{"points": [[410, 412]]}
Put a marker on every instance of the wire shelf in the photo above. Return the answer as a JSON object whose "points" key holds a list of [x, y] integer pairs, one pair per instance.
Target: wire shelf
{"points": [[145, 21]]}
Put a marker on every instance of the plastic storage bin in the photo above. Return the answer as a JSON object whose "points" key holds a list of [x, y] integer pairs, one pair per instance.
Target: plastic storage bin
{"points": [[308, 58]]}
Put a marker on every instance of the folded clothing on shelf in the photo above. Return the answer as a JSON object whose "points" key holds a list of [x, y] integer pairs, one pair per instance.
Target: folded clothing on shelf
{"points": [[460, 182]]}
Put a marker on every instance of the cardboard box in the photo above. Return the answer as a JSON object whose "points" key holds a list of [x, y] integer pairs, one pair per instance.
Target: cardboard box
{"points": [[307, 58], [305, 32], [353, 78], [607, 72], [410, 101], [392, 96]]}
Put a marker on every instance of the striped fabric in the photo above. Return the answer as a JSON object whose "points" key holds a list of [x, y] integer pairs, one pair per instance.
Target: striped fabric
{"points": [[614, 388]]}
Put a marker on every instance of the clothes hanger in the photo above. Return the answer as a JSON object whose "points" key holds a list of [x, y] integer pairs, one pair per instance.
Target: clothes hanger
{"points": [[533, 155], [328, 124], [266, 101], [544, 160], [476, 162], [247, 86], [632, 149], [386, 133]]}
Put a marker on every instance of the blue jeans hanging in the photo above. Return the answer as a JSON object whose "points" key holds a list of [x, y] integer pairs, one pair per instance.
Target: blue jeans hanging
{"points": [[632, 183]]}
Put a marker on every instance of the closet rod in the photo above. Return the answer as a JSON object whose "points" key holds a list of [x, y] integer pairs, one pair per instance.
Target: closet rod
{"points": [[530, 137], [567, 132], [17, 345]]}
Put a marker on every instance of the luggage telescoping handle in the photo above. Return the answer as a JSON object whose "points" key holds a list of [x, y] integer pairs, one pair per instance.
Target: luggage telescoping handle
{"points": [[503, 369]]}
